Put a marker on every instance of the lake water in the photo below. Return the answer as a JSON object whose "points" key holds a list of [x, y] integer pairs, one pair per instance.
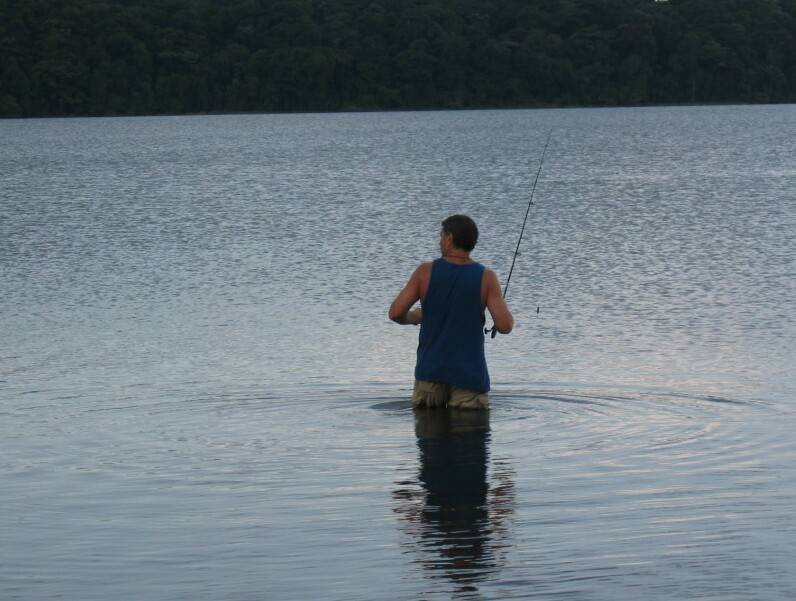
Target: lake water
{"points": [[201, 396]]}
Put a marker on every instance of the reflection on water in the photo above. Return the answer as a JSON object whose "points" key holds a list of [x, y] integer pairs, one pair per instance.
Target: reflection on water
{"points": [[457, 521]]}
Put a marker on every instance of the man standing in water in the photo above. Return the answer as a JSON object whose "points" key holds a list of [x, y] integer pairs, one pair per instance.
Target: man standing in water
{"points": [[454, 290]]}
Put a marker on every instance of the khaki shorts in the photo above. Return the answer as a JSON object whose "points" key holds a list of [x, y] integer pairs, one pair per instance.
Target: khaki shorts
{"points": [[434, 394]]}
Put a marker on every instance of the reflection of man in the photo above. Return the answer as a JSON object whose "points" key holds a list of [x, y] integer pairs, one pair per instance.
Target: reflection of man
{"points": [[455, 515], [454, 291]]}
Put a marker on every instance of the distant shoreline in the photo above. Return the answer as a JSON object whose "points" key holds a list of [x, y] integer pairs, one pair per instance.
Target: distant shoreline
{"points": [[400, 110]]}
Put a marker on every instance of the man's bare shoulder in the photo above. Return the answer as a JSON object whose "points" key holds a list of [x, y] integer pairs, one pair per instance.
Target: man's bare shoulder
{"points": [[489, 283], [423, 277], [423, 271], [489, 275]]}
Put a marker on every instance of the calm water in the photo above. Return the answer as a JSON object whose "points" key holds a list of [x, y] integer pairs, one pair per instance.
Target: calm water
{"points": [[201, 397]]}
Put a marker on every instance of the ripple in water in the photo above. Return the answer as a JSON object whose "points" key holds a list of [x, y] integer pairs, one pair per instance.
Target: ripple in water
{"points": [[567, 493]]}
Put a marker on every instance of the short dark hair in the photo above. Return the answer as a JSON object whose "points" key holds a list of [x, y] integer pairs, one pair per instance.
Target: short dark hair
{"points": [[464, 231]]}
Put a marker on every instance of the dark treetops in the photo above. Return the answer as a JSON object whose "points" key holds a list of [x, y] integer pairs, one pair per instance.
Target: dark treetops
{"points": [[98, 57]]}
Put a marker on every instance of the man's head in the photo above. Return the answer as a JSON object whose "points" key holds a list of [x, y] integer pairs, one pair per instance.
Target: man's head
{"points": [[461, 231]]}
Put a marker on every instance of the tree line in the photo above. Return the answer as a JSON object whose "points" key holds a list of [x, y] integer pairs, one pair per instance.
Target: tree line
{"points": [[108, 57]]}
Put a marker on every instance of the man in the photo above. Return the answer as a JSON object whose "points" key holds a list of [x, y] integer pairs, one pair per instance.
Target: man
{"points": [[453, 290]]}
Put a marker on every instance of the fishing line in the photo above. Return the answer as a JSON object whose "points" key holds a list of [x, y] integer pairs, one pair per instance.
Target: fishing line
{"points": [[522, 231]]}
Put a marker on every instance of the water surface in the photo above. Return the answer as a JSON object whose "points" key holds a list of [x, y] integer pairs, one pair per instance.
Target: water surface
{"points": [[201, 396]]}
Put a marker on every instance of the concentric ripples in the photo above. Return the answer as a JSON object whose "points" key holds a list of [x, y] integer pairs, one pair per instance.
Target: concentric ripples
{"points": [[576, 494], [658, 491], [558, 492]]}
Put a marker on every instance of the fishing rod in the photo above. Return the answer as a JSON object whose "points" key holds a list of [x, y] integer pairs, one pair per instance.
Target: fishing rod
{"points": [[522, 231]]}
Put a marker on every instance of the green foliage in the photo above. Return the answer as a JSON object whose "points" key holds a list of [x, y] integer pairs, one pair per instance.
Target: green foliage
{"points": [[97, 57]]}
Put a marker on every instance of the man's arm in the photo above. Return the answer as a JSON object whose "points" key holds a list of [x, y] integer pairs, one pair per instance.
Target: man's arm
{"points": [[400, 308], [504, 321]]}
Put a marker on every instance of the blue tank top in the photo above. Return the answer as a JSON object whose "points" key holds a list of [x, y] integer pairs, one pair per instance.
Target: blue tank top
{"points": [[451, 345]]}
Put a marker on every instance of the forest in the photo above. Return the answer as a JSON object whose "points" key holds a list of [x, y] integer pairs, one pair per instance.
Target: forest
{"points": [[135, 57]]}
